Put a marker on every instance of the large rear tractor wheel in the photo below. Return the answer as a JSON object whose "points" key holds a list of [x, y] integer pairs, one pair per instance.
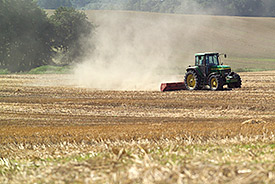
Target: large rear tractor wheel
{"points": [[215, 83], [192, 81]]}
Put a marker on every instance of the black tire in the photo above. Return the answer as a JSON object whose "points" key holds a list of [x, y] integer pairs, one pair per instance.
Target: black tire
{"points": [[237, 84], [216, 83], [192, 81], [231, 85]]}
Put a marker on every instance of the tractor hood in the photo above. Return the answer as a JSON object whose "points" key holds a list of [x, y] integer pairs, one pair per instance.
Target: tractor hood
{"points": [[220, 67]]}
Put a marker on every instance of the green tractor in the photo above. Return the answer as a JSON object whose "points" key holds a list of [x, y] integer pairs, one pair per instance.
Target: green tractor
{"points": [[209, 71]]}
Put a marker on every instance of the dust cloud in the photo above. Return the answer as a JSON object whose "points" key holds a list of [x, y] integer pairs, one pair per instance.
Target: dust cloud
{"points": [[138, 51], [133, 51]]}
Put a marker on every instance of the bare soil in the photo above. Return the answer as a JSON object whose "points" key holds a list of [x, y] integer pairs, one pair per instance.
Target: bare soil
{"points": [[50, 108], [54, 132]]}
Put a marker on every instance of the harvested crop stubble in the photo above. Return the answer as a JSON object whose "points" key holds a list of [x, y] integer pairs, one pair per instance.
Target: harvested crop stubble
{"points": [[239, 159], [55, 132]]}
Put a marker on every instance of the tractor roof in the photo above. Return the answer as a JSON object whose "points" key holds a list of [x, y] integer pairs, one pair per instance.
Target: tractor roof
{"points": [[206, 53]]}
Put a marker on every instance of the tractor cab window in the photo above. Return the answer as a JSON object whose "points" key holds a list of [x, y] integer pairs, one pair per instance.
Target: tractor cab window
{"points": [[212, 60], [199, 60]]}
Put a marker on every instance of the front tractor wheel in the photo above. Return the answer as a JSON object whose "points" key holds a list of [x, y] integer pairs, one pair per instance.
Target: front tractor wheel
{"points": [[237, 84], [239, 81], [192, 81], [215, 83]]}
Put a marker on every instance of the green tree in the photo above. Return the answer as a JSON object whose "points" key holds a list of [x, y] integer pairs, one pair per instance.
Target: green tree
{"points": [[269, 6], [80, 3], [54, 4], [246, 7], [71, 26], [30, 39], [25, 35]]}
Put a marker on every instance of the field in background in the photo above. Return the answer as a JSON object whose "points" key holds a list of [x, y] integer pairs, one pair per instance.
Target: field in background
{"points": [[247, 40], [52, 131]]}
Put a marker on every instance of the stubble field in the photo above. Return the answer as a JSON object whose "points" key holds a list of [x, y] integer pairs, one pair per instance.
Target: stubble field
{"points": [[54, 132]]}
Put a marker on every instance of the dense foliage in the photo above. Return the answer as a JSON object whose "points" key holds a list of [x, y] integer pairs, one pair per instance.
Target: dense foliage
{"points": [[214, 7], [54, 4], [25, 35], [30, 39], [69, 26]]}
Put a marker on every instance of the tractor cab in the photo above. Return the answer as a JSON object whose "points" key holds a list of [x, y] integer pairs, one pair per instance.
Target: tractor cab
{"points": [[210, 62]]}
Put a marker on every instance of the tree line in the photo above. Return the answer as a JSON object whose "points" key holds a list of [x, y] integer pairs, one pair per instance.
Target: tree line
{"points": [[212, 7], [29, 38]]}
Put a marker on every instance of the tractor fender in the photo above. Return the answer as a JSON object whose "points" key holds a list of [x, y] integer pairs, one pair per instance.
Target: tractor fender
{"points": [[231, 74], [211, 74], [195, 69]]}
